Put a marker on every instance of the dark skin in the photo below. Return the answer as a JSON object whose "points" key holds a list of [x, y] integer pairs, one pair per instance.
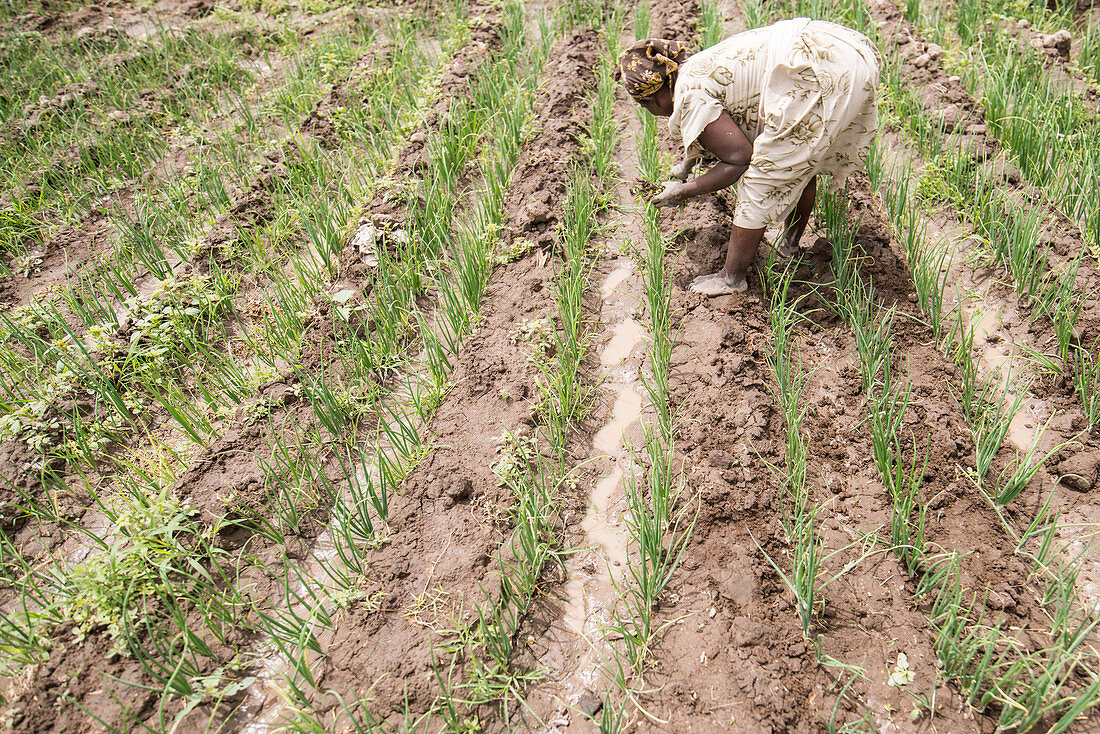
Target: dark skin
{"points": [[723, 139]]}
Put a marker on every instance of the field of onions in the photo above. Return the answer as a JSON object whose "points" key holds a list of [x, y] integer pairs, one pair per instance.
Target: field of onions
{"points": [[350, 383]]}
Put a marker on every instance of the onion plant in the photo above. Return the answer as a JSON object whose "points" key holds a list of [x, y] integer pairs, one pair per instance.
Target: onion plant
{"points": [[564, 390], [658, 299], [1088, 54], [659, 524], [1062, 303], [990, 420], [459, 268], [874, 339], [994, 669], [799, 517], [909, 514], [110, 144], [1086, 381], [1012, 236], [1018, 474], [649, 154], [928, 262], [965, 645], [806, 559], [1061, 156], [755, 14], [852, 13], [712, 23], [170, 331], [833, 212], [642, 18], [563, 387], [888, 399]]}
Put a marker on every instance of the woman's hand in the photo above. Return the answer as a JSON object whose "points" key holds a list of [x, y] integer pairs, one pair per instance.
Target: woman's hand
{"points": [[682, 170], [673, 194]]}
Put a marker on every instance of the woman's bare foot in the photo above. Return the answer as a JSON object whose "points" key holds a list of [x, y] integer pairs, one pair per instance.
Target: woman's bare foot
{"points": [[789, 248], [719, 284]]}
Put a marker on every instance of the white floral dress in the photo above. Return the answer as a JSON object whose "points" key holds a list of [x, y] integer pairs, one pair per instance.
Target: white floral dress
{"points": [[802, 91]]}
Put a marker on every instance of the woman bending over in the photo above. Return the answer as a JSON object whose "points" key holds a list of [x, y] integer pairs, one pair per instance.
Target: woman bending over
{"points": [[777, 106]]}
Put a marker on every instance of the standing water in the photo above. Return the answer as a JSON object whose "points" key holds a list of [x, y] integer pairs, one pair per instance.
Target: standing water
{"points": [[595, 572]]}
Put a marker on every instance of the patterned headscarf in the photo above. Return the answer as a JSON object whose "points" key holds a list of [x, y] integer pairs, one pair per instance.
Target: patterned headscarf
{"points": [[647, 65]]}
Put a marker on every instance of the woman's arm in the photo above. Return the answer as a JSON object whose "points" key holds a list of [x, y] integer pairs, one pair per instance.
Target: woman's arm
{"points": [[721, 175], [734, 152], [683, 169]]}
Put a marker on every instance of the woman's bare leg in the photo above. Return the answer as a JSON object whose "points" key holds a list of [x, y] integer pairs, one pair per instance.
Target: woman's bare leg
{"points": [[733, 277], [743, 244], [800, 217]]}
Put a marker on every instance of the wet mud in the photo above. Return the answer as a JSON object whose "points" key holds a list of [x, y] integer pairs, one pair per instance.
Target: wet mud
{"points": [[732, 655], [449, 527]]}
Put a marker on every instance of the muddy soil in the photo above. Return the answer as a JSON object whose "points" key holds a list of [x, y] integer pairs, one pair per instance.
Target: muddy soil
{"points": [[225, 485], [449, 527], [733, 655], [440, 560], [1061, 237], [961, 516]]}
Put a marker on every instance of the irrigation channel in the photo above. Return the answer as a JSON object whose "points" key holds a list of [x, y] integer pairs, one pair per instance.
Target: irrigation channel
{"points": [[578, 646], [972, 291], [860, 497]]}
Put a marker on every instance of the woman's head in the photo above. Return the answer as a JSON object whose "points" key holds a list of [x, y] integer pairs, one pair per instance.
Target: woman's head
{"points": [[648, 71]]}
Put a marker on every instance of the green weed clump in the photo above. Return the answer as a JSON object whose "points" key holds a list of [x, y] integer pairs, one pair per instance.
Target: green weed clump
{"points": [[89, 393]]}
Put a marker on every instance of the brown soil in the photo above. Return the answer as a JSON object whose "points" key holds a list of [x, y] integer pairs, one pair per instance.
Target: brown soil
{"points": [[675, 19], [449, 525], [1061, 237], [732, 655]]}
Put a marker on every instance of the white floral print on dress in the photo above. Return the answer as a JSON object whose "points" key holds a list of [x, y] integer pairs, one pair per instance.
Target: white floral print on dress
{"points": [[803, 92]]}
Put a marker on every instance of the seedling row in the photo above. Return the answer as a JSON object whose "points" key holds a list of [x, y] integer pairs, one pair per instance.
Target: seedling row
{"points": [[299, 383]]}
